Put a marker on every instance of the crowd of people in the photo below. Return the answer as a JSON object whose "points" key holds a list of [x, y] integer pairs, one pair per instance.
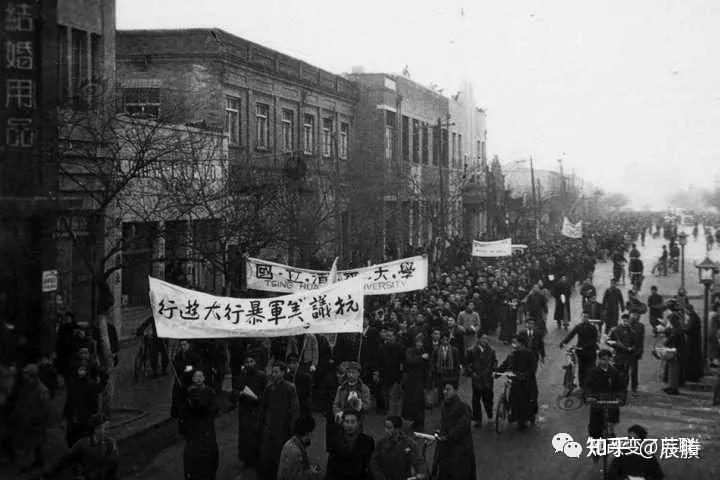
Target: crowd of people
{"points": [[415, 351]]}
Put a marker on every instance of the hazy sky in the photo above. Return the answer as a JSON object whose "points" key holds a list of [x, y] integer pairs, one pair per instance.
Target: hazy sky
{"points": [[626, 91]]}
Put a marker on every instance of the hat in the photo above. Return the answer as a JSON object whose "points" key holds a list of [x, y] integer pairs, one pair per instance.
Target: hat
{"points": [[352, 366]]}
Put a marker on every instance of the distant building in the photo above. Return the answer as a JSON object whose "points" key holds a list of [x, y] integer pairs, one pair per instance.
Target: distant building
{"points": [[415, 151]]}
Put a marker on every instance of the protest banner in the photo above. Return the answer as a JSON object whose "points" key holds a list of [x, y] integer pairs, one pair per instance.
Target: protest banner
{"points": [[499, 248], [184, 313], [519, 247], [398, 276], [571, 230]]}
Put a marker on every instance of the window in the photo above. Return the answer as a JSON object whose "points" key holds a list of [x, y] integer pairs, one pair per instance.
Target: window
{"points": [[416, 141], [389, 134], [454, 149], [460, 150], [288, 123], [327, 137], [63, 64], [96, 57], [445, 148], [406, 138], [425, 144], [142, 102], [79, 64], [262, 131], [232, 119], [309, 134], [436, 145], [344, 133]]}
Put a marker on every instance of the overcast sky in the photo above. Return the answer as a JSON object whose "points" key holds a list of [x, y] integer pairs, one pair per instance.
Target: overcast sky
{"points": [[626, 91]]}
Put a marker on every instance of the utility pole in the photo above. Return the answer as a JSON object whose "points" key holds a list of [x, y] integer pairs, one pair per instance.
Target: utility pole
{"points": [[443, 153], [535, 202]]}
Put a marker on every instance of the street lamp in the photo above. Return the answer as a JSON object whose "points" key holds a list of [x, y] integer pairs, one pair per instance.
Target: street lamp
{"points": [[682, 240], [706, 270]]}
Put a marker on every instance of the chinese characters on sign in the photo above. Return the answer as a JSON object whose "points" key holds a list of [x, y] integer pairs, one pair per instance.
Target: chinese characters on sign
{"points": [[184, 313], [18, 74], [398, 276]]}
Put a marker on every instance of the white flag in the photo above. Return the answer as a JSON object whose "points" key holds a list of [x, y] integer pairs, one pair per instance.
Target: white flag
{"points": [[500, 248]]}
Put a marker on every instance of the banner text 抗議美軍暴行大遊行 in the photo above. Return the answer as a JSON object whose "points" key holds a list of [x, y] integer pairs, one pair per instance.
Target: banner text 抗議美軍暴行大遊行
{"points": [[184, 313]]}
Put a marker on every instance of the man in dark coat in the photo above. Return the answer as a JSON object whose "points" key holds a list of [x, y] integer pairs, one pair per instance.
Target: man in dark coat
{"points": [[561, 291], [185, 361], [586, 347], [350, 452], [523, 391], [634, 464], [481, 362], [248, 389], [81, 404], [693, 359], [624, 341], [537, 305], [534, 339], [391, 357], [455, 458], [279, 410], [417, 374], [396, 455], [656, 305], [303, 384], [605, 383], [201, 455], [613, 303]]}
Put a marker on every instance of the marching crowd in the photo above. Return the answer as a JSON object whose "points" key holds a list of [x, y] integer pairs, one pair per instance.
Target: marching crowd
{"points": [[415, 351]]}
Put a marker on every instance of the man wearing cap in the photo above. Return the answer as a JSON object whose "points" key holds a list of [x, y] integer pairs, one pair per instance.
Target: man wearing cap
{"points": [[352, 394], [604, 382]]}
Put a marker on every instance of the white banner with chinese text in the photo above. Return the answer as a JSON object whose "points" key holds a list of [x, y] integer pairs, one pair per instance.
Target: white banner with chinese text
{"points": [[571, 230], [397, 276], [500, 248], [183, 313]]}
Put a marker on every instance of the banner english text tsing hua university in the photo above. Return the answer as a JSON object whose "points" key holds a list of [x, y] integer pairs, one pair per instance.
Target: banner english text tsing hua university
{"points": [[398, 276], [183, 313]]}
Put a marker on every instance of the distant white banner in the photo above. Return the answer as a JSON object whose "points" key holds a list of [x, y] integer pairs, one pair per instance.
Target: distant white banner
{"points": [[500, 248], [398, 276], [519, 247], [183, 313], [571, 230]]}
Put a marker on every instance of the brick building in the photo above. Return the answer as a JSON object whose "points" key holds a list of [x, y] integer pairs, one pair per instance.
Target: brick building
{"points": [[416, 150], [287, 123], [53, 52]]}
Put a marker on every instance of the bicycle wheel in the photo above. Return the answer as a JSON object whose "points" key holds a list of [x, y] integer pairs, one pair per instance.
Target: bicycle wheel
{"points": [[568, 381], [501, 417]]}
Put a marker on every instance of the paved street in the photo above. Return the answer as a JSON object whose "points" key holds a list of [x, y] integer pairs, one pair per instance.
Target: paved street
{"points": [[529, 455]]}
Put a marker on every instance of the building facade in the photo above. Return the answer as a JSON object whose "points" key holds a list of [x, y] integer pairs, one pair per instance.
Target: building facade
{"points": [[54, 52], [288, 127], [416, 150]]}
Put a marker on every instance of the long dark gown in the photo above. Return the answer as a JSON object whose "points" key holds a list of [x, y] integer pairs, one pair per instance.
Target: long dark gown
{"points": [[416, 376], [693, 348], [200, 457], [248, 415], [523, 392]]}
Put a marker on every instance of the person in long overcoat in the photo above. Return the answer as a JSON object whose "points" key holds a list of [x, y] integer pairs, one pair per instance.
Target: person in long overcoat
{"points": [[417, 371], [481, 361], [612, 303], [200, 456], [279, 410], [523, 392], [693, 351], [248, 404], [82, 403], [456, 456], [30, 418], [185, 361]]}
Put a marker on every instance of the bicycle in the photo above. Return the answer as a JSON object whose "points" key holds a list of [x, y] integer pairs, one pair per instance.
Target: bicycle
{"points": [[605, 401], [569, 400], [502, 411], [427, 440]]}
